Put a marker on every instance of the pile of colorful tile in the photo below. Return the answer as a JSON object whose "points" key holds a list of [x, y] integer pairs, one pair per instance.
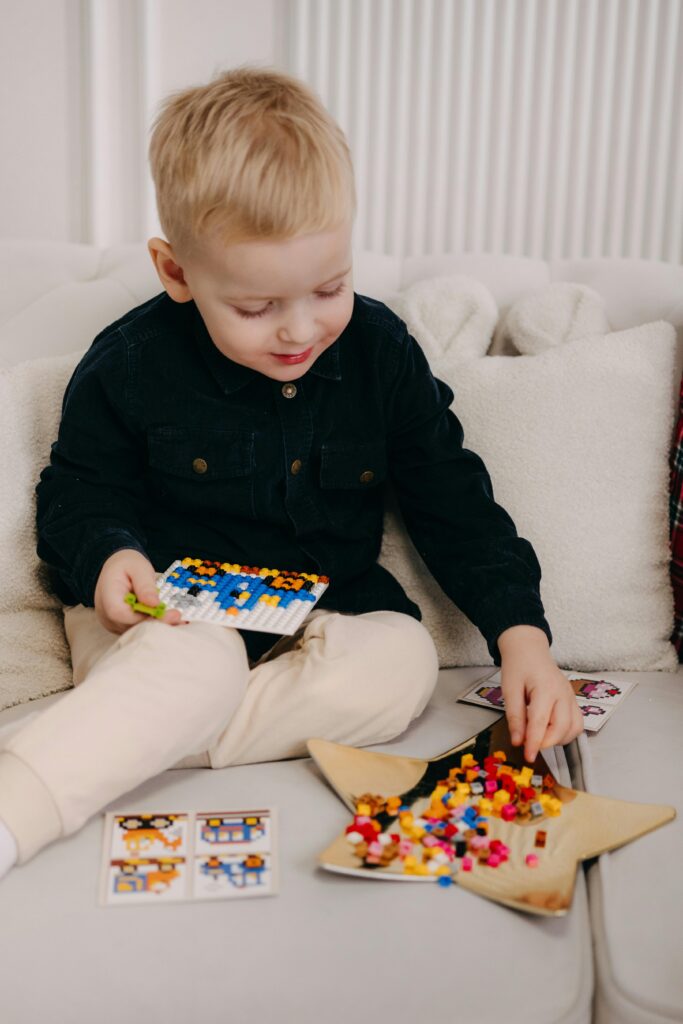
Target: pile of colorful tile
{"points": [[452, 832]]}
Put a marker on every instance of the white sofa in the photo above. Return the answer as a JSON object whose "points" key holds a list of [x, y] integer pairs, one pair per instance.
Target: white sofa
{"points": [[330, 948]]}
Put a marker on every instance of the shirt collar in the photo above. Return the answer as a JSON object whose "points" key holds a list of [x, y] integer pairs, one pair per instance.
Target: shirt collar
{"points": [[232, 376], [328, 365]]}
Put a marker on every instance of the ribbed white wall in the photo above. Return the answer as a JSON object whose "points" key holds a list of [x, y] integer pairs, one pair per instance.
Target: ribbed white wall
{"points": [[80, 82], [133, 54], [543, 128]]}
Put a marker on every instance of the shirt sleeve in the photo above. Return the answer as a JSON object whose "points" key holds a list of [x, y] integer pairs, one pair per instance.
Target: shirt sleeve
{"points": [[468, 542], [90, 496]]}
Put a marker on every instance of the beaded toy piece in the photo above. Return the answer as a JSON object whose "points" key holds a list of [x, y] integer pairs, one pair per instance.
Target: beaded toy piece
{"points": [[243, 596], [452, 832], [477, 816]]}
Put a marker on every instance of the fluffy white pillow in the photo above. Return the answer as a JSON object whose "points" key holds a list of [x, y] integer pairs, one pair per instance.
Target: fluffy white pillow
{"points": [[576, 439], [35, 658], [553, 315]]}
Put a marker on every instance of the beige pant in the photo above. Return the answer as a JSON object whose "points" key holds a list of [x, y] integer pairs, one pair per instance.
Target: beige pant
{"points": [[162, 696]]}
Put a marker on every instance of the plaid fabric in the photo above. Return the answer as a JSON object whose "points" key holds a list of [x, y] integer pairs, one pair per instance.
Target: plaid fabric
{"points": [[676, 524]]}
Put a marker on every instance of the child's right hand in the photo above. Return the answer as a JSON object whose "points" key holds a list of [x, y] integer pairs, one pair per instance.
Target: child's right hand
{"points": [[124, 571]]}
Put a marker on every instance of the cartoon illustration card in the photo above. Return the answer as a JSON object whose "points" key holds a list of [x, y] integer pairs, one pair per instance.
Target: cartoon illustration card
{"points": [[234, 855], [186, 856], [597, 697], [246, 597]]}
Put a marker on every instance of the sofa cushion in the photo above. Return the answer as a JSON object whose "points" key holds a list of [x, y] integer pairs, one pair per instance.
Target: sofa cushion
{"points": [[338, 949], [676, 521], [576, 440], [636, 893], [35, 657], [57, 296]]}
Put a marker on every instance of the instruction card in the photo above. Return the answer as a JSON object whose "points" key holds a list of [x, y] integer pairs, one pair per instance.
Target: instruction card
{"points": [[187, 856], [597, 697]]}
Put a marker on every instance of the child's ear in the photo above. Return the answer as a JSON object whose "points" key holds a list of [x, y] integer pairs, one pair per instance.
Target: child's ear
{"points": [[170, 273]]}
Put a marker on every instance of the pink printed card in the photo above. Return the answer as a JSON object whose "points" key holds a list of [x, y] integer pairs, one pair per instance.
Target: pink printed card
{"points": [[596, 695]]}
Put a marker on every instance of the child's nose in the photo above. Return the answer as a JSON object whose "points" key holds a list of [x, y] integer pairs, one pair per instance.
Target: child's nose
{"points": [[297, 328]]}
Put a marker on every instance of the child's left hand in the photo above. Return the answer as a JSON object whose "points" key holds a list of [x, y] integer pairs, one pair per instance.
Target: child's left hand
{"points": [[540, 703]]}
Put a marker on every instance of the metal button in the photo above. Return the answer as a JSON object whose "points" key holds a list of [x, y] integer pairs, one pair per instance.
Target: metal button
{"points": [[296, 466], [367, 477], [289, 390], [200, 465]]}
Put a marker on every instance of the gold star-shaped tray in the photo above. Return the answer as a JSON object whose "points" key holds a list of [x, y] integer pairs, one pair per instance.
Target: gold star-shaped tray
{"points": [[587, 825]]}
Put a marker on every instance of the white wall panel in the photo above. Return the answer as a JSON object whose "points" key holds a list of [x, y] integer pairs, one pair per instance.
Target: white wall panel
{"points": [[187, 42], [544, 128], [113, 123], [80, 81], [40, 168]]}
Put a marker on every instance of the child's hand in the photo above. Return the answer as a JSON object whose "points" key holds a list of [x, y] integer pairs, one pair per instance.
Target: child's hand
{"points": [[540, 703], [124, 571]]}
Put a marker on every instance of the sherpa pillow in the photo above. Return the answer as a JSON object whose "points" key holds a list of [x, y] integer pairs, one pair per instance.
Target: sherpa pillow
{"points": [[576, 440], [34, 656], [551, 316]]}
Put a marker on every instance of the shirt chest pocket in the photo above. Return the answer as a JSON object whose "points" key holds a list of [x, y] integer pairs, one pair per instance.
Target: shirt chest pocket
{"points": [[352, 478], [203, 470]]}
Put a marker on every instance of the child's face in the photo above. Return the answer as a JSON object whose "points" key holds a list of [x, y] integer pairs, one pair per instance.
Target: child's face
{"points": [[275, 306]]}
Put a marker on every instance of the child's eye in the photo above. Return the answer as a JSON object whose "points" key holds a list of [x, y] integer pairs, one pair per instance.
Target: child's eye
{"points": [[321, 295], [250, 316], [328, 295]]}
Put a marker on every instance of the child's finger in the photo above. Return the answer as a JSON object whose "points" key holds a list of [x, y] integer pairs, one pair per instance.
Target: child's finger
{"points": [[576, 726], [143, 585], [171, 616], [537, 721], [117, 616], [558, 726], [515, 711]]}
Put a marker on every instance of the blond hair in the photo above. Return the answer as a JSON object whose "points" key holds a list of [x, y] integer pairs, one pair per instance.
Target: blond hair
{"points": [[252, 154]]}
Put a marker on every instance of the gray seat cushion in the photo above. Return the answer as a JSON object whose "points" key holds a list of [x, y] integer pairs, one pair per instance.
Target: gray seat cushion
{"points": [[636, 893], [328, 947]]}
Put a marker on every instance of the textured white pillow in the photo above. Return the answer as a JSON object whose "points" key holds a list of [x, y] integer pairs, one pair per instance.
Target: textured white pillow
{"points": [[576, 439], [553, 315], [34, 656]]}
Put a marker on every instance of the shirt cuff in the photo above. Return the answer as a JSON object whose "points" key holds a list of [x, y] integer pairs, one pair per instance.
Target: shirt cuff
{"points": [[88, 566], [515, 606]]}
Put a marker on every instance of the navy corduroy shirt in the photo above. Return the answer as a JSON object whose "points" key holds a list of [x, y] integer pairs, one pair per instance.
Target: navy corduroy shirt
{"points": [[169, 447]]}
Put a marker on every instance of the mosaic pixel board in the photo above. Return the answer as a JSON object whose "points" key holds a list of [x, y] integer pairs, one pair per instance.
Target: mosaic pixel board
{"points": [[246, 597]]}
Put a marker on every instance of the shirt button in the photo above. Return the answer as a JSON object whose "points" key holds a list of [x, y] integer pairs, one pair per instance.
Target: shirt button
{"points": [[289, 390], [200, 465], [296, 466], [367, 477]]}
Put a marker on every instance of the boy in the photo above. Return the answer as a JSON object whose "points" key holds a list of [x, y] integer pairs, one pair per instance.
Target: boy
{"points": [[254, 411]]}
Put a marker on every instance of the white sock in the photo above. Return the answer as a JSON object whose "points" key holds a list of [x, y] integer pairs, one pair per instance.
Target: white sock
{"points": [[8, 849]]}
